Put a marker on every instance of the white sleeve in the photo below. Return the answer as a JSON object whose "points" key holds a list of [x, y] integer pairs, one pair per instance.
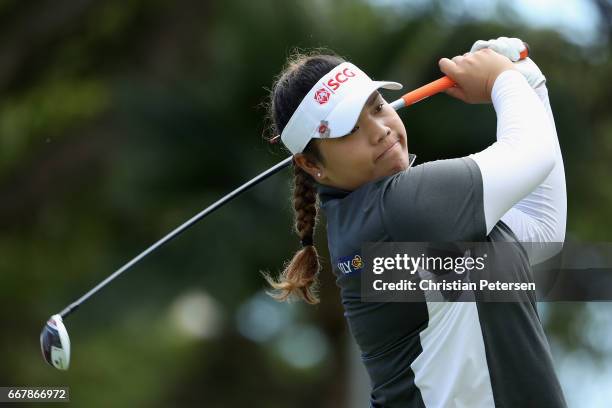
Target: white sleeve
{"points": [[523, 156], [541, 216]]}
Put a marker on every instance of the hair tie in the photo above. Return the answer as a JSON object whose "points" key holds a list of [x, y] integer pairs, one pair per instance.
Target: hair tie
{"points": [[306, 241]]}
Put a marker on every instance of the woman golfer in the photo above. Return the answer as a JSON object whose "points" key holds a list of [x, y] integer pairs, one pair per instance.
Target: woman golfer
{"points": [[351, 152]]}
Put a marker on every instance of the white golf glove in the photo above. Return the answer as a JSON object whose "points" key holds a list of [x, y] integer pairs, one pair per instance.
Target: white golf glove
{"points": [[511, 48]]}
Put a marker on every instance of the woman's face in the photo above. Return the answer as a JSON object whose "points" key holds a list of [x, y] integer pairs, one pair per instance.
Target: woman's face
{"points": [[375, 148]]}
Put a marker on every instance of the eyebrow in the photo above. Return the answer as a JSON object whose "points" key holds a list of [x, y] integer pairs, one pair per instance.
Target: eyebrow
{"points": [[372, 98]]}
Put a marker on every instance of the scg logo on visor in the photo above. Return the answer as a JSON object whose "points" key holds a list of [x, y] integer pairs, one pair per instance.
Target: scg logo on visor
{"points": [[322, 95], [341, 77]]}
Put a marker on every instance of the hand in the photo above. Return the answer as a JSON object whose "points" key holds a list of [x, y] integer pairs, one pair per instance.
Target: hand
{"points": [[511, 48], [475, 73]]}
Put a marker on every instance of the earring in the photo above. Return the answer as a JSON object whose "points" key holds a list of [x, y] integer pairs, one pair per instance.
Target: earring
{"points": [[318, 174]]}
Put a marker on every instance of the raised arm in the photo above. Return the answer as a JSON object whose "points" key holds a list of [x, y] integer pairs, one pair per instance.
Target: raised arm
{"points": [[541, 216], [522, 157]]}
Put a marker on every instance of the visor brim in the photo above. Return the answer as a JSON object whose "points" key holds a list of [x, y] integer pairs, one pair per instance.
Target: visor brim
{"points": [[344, 117]]}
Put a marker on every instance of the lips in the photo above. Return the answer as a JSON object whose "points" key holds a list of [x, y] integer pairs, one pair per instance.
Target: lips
{"points": [[387, 149]]}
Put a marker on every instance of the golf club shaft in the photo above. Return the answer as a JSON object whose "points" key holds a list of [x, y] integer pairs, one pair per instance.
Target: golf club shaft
{"points": [[272, 170]]}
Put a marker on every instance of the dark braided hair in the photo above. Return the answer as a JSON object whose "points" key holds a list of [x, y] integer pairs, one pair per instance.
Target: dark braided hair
{"points": [[300, 276]]}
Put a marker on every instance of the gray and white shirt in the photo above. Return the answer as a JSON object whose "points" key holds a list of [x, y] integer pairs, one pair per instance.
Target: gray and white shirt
{"points": [[459, 354]]}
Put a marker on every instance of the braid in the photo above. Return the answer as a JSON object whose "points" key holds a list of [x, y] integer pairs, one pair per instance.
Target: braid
{"points": [[304, 204], [300, 276]]}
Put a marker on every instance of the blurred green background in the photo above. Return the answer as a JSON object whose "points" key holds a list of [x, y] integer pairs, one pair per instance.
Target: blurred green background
{"points": [[121, 119]]}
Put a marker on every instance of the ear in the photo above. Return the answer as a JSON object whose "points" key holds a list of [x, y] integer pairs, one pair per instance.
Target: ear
{"points": [[314, 169]]}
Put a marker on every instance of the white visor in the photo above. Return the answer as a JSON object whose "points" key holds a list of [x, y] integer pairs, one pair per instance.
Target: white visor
{"points": [[331, 108]]}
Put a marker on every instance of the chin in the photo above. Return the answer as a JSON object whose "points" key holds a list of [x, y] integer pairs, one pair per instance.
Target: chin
{"points": [[398, 165], [402, 161], [398, 168]]}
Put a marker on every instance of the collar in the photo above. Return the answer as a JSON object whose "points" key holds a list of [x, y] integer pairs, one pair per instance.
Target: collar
{"points": [[327, 193]]}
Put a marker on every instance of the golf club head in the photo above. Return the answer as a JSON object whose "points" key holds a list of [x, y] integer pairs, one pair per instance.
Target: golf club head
{"points": [[55, 343]]}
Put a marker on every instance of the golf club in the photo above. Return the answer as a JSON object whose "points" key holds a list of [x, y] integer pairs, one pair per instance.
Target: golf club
{"points": [[54, 339]]}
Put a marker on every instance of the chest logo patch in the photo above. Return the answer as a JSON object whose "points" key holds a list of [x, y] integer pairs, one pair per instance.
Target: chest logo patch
{"points": [[350, 264]]}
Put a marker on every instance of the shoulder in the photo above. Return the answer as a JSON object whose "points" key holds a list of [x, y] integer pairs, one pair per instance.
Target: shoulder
{"points": [[439, 200], [433, 175]]}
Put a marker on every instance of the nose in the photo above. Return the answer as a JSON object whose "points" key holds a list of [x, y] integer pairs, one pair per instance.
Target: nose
{"points": [[378, 131]]}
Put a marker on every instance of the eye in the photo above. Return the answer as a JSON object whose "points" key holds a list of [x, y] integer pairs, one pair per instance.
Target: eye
{"points": [[379, 107], [356, 128]]}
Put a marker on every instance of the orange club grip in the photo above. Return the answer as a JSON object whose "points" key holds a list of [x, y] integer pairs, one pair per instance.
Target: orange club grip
{"points": [[440, 85], [432, 88]]}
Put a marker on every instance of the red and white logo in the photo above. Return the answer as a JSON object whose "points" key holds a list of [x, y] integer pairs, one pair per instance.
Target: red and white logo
{"points": [[323, 129], [322, 96]]}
